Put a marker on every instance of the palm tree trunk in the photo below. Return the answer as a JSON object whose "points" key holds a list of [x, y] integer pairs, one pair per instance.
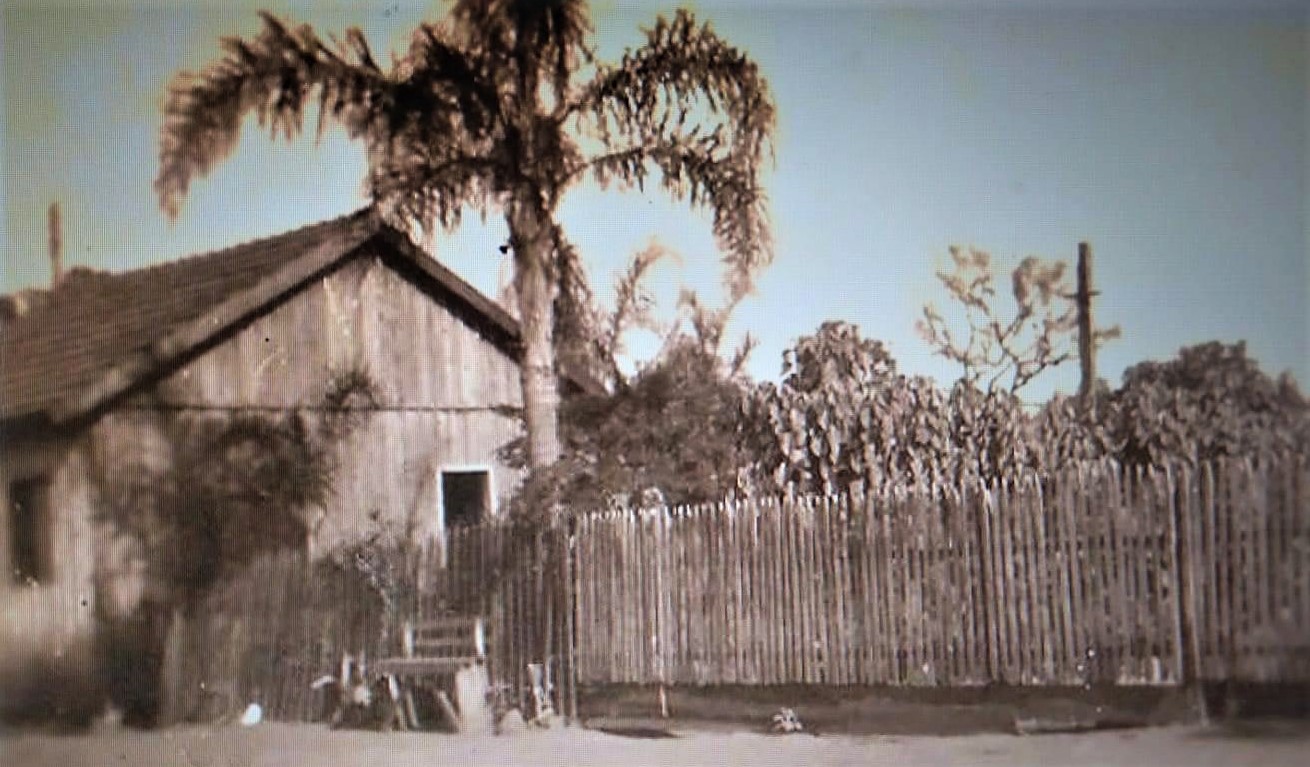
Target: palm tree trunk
{"points": [[532, 243]]}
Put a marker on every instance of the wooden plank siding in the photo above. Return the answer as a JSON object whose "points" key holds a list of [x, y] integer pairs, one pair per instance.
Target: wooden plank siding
{"points": [[105, 382], [443, 388], [49, 624]]}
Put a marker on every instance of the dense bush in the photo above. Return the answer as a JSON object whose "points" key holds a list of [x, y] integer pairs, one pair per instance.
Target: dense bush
{"points": [[1211, 401], [843, 419], [672, 434]]}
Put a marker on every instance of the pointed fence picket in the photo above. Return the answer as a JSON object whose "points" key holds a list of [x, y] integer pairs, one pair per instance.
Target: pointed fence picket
{"points": [[1091, 575]]}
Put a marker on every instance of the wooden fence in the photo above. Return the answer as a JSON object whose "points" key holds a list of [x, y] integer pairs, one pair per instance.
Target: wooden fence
{"points": [[268, 633], [266, 636], [1092, 575], [519, 579]]}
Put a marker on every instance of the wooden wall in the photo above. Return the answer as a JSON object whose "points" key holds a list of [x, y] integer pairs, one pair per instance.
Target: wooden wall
{"points": [[441, 387], [51, 622]]}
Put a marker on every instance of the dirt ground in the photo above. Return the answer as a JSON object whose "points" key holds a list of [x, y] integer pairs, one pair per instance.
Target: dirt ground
{"points": [[281, 744]]}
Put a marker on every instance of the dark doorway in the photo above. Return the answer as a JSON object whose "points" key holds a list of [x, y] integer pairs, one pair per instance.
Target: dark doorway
{"points": [[465, 497]]}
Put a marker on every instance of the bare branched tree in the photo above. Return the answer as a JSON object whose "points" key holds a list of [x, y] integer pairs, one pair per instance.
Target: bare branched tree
{"points": [[1001, 354], [489, 109]]}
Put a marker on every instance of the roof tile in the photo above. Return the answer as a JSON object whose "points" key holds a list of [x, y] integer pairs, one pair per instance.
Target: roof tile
{"points": [[74, 335]]}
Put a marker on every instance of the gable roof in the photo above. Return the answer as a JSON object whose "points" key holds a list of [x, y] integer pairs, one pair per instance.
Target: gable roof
{"points": [[97, 335]]}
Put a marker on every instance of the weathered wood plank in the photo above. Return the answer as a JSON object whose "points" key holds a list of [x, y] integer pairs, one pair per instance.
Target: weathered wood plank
{"points": [[988, 585]]}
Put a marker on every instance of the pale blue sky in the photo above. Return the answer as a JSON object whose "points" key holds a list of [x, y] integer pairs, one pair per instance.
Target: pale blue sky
{"points": [[1176, 140]]}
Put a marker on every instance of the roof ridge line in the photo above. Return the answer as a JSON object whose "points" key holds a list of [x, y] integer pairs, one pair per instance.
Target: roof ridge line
{"points": [[367, 213]]}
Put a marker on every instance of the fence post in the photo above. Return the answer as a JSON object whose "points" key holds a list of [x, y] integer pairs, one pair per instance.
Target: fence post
{"points": [[986, 588], [569, 586], [1185, 608]]}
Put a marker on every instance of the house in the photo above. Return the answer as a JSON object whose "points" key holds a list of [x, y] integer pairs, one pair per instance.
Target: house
{"points": [[92, 373]]}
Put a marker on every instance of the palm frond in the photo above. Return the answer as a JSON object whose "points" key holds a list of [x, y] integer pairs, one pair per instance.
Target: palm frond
{"points": [[706, 172], [697, 110], [437, 62], [683, 68], [528, 40], [741, 356], [633, 301], [272, 75], [430, 185]]}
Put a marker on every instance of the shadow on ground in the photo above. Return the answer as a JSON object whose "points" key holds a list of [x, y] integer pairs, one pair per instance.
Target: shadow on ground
{"points": [[887, 711]]}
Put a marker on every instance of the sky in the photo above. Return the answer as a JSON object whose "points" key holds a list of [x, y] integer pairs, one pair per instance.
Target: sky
{"points": [[1172, 135]]}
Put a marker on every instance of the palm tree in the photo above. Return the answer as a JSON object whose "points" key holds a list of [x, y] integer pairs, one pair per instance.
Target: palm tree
{"points": [[501, 105]]}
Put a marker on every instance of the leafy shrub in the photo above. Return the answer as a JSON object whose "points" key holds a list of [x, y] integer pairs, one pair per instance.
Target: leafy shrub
{"points": [[844, 420], [1210, 402], [673, 434]]}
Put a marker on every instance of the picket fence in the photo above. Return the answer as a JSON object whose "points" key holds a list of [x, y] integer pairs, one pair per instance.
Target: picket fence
{"points": [[1092, 575], [1095, 574], [267, 634]]}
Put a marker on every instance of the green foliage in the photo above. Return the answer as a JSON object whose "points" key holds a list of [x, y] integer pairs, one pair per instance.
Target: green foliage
{"points": [[633, 308], [836, 357], [380, 562], [671, 434], [644, 110], [843, 420], [1211, 401], [826, 421], [1069, 432], [674, 431], [991, 436]]}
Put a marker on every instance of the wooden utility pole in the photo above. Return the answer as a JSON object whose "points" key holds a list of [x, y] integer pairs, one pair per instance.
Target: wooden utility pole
{"points": [[56, 244], [1086, 343]]}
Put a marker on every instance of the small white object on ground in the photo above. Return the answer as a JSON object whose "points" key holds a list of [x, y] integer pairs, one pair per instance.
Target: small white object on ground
{"points": [[361, 695], [253, 715], [111, 719], [512, 723], [786, 721]]}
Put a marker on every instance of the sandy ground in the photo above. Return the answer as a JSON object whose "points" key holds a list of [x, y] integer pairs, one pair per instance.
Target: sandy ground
{"points": [[280, 744]]}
